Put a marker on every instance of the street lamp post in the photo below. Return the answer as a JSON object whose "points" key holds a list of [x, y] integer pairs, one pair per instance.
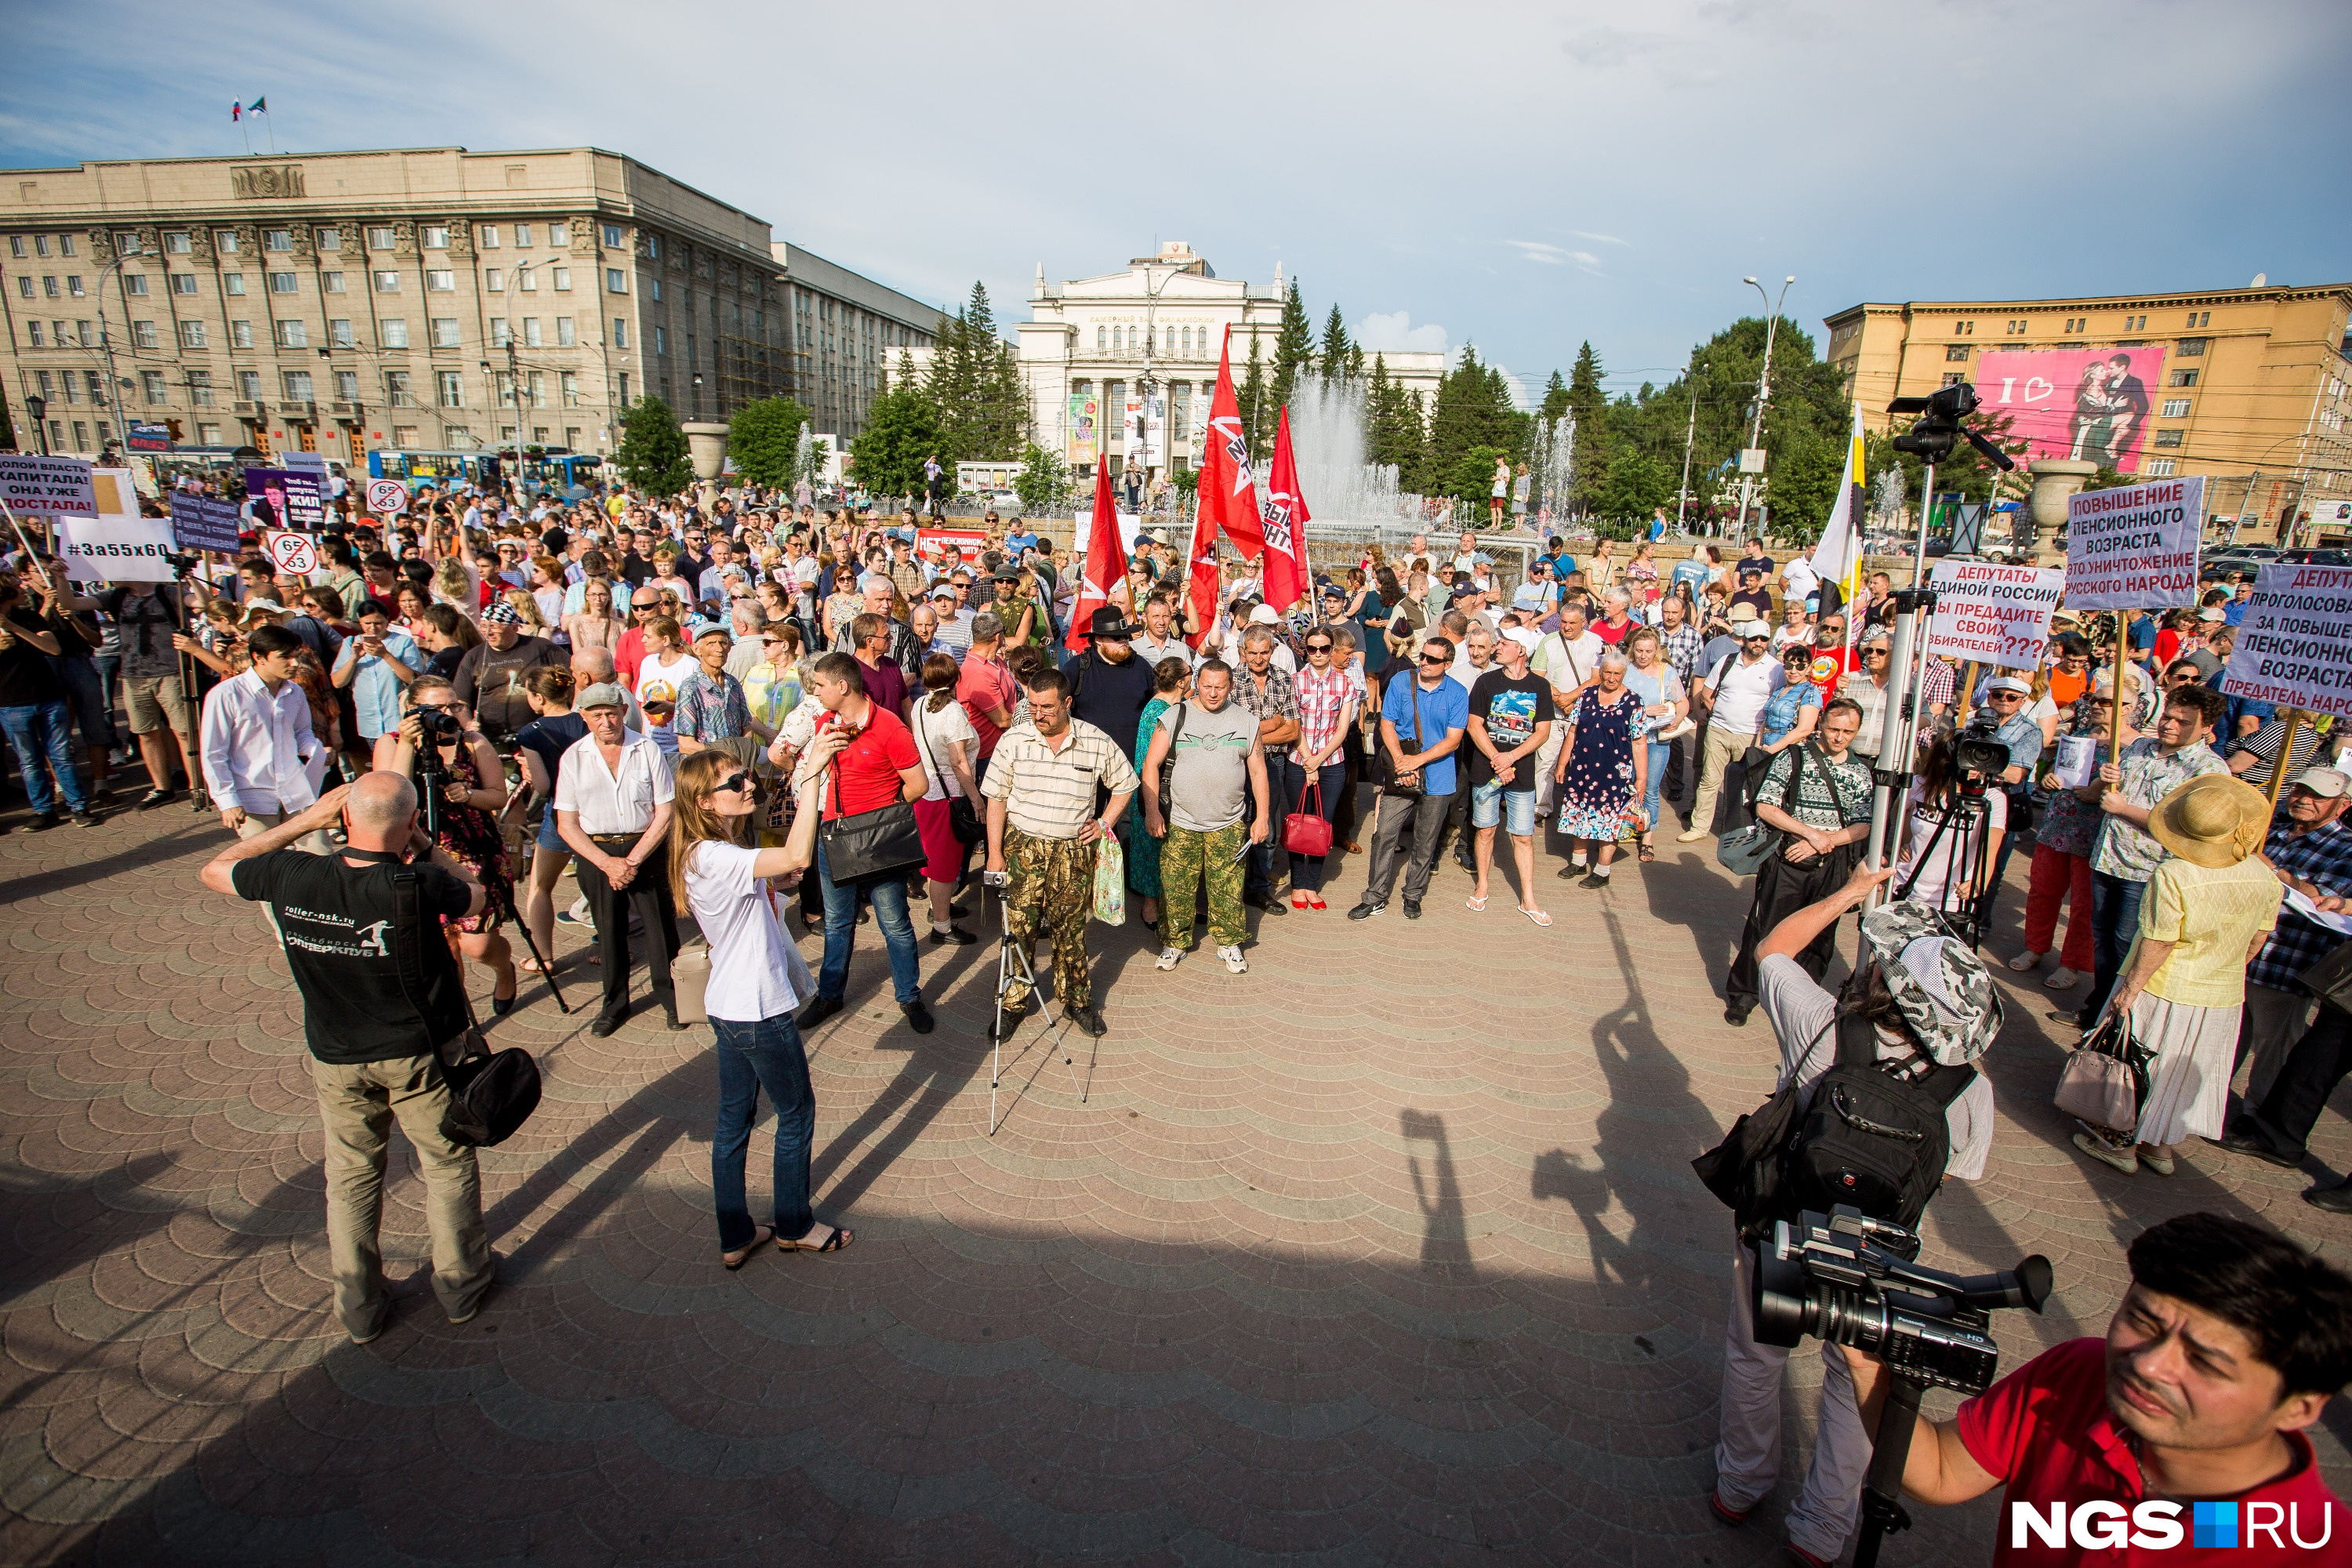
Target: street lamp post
{"points": [[1690, 434], [36, 407], [1763, 385]]}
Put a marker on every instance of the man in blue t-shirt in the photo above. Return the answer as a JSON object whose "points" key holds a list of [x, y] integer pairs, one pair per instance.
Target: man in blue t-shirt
{"points": [[1423, 717], [1022, 538]]}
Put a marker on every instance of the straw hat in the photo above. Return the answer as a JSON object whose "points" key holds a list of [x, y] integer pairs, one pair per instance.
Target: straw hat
{"points": [[2212, 820]]}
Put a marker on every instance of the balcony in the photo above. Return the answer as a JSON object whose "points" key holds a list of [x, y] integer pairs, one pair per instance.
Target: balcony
{"points": [[291, 410], [246, 410]]}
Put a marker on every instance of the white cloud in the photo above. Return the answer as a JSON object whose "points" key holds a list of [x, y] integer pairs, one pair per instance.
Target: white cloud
{"points": [[1395, 333], [1556, 255]]}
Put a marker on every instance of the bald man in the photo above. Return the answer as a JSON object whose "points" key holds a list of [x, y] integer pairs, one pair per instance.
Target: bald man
{"points": [[381, 995]]}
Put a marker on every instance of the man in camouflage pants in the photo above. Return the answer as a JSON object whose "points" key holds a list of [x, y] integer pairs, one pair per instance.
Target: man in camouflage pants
{"points": [[1205, 758], [1056, 786]]}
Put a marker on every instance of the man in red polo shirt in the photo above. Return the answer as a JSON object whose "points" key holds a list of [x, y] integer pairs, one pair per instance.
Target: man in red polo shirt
{"points": [[2177, 1441]]}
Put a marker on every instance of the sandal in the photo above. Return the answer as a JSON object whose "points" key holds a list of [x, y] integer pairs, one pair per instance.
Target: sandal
{"points": [[834, 1243], [742, 1255], [1477, 906], [1647, 854], [1540, 917]]}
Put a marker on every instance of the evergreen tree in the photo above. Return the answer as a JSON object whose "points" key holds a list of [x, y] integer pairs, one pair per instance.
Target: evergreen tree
{"points": [[764, 437], [653, 455], [1293, 350], [1555, 399], [901, 429], [1257, 413], [1473, 413], [1354, 362], [1591, 449], [1332, 358], [1041, 481]]}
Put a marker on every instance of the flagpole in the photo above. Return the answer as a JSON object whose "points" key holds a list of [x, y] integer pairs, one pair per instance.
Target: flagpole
{"points": [[236, 113]]}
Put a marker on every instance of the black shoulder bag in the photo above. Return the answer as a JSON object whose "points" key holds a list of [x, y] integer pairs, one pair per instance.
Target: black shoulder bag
{"points": [[491, 1093], [963, 818], [1385, 774], [872, 844], [1168, 760]]}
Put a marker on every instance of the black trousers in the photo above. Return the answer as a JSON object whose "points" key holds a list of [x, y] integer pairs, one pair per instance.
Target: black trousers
{"points": [[1782, 887], [648, 894], [1343, 810], [2313, 1070]]}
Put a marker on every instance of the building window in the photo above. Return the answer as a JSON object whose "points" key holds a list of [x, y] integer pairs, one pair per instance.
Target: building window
{"points": [[404, 435], [620, 332], [392, 331], [535, 383], [175, 242], [225, 241], [568, 386], [233, 282], [135, 285], [25, 289], [559, 234], [653, 247], [347, 386], [65, 244], [150, 385], [434, 236], [1102, 339], [339, 332], [652, 293], [616, 281], [1956, 351], [2199, 318], [563, 278], [397, 390], [276, 239], [143, 334], [440, 281], [526, 280], [489, 237], [183, 283], [326, 238], [2160, 468], [388, 282], [2182, 378], [332, 282], [444, 332], [661, 339], [200, 388], [293, 335], [2192, 347], [2175, 408], [611, 236], [2170, 438], [240, 334], [191, 335], [282, 284], [381, 237], [33, 338], [494, 280], [522, 237], [531, 338], [452, 388], [248, 385], [566, 335], [1953, 378], [501, 333], [298, 385], [625, 388]]}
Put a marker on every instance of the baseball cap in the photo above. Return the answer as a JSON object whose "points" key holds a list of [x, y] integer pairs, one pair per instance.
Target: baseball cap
{"points": [[1265, 615], [2010, 683], [501, 614], [1750, 626], [2327, 782], [2210, 616]]}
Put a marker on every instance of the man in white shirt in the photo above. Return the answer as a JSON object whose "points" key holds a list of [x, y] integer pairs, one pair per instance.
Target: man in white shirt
{"points": [[1157, 640], [1799, 581], [256, 742], [613, 794], [1570, 659], [1733, 693]]}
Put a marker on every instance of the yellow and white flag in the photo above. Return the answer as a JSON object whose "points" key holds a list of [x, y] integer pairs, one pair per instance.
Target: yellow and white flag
{"points": [[1838, 557]]}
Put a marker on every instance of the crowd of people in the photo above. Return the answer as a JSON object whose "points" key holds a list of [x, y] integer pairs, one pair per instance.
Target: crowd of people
{"points": [[775, 724]]}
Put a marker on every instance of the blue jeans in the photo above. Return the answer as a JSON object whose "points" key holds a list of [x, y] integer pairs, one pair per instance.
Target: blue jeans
{"points": [[1659, 752], [1306, 872], [2115, 921], [87, 696], [753, 1056], [37, 733], [888, 897]]}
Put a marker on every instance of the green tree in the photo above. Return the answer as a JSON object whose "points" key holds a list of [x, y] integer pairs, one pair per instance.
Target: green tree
{"points": [[1473, 413], [1637, 485], [1333, 358], [1041, 483], [1555, 399], [1257, 413], [1471, 479], [1293, 350], [653, 455], [901, 429], [764, 437], [1592, 448]]}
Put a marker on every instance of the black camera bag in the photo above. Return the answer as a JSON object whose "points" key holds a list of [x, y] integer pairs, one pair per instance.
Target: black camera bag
{"points": [[491, 1093]]}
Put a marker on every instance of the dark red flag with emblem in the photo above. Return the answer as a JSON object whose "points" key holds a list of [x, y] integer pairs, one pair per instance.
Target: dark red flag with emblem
{"points": [[1106, 567], [1283, 518]]}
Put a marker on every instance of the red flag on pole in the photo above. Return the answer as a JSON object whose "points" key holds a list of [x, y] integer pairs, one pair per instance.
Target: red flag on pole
{"points": [[1201, 593], [1106, 567], [1228, 489], [1284, 516]]}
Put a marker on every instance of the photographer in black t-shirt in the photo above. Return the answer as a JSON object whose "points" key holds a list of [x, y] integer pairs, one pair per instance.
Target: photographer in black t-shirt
{"points": [[380, 993]]}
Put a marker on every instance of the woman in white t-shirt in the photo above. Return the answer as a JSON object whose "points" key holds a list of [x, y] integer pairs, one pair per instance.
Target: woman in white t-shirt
{"points": [[946, 742], [758, 980], [1946, 875], [660, 679]]}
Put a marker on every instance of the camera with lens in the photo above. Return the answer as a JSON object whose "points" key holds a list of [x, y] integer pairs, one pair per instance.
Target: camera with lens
{"points": [[1978, 758], [439, 727], [1854, 1281]]}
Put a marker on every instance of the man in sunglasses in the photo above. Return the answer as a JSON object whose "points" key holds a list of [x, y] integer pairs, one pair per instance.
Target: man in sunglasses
{"points": [[1423, 715], [629, 651], [2007, 699]]}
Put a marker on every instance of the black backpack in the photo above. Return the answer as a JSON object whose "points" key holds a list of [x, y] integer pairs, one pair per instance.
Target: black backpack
{"points": [[1872, 1136], [491, 1093]]}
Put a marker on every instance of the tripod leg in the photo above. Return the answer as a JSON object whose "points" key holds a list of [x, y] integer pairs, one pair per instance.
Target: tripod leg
{"points": [[530, 945]]}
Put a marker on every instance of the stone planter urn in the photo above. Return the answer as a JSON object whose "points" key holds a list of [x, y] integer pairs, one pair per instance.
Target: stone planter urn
{"points": [[706, 442], [2055, 480]]}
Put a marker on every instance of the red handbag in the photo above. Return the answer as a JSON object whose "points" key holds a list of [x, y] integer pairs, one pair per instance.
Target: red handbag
{"points": [[1305, 831]]}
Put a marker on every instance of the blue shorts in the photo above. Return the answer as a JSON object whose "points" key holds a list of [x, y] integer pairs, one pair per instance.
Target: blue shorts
{"points": [[1490, 801], [547, 838]]}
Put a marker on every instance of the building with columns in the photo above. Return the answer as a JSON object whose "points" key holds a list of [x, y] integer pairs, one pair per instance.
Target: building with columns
{"points": [[427, 298]]}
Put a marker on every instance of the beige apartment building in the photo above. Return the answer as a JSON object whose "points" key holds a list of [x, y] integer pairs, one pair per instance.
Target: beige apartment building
{"points": [[2251, 387], [429, 299]]}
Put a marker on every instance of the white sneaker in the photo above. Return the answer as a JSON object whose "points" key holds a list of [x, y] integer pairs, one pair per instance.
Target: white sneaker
{"points": [[2026, 962], [2063, 979], [1169, 957], [1233, 960], [1690, 835]]}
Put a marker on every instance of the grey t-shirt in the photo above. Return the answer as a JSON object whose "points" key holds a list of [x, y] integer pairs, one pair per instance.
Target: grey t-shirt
{"points": [[1209, 786]]}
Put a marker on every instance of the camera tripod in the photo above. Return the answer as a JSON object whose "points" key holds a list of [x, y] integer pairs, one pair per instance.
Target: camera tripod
{"points": [[431, 777], [1966, 817], [1013, 967]]}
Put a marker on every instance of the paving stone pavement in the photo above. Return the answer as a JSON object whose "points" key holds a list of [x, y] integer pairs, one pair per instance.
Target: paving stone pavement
{"points": [[1386, 1252]]}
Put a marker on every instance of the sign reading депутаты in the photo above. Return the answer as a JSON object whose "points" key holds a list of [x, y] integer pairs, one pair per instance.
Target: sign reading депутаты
{"points": [[2295, 647], [2135, 548]]}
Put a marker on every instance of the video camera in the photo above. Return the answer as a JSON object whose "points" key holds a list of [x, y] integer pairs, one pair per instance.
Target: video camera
{"points": [[1978, 758], [1937, 429], [1848, 1279]]}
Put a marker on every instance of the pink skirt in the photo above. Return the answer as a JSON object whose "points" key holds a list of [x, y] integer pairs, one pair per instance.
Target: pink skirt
{"points": [[943, 854]]}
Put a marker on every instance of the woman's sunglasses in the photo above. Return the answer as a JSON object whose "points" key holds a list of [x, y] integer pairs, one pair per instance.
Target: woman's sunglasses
{"points": [[1318, 647], [739, 781]]}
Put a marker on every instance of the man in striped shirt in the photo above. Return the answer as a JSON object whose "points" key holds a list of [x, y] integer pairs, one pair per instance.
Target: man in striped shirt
{"points": [[1043, 787]]}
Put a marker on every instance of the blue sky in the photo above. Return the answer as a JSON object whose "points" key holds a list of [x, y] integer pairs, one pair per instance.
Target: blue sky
{"points": [[1523, 177]]}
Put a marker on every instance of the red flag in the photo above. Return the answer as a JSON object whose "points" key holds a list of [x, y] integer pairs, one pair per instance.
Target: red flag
{"points": [[1284, 515], [1106, 567], [1228, 489], [1201, 592]]}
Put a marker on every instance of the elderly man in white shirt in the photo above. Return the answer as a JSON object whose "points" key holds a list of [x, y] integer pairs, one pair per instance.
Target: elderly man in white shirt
{"points": [[256, 742], [613, 794], [1569, 658]]}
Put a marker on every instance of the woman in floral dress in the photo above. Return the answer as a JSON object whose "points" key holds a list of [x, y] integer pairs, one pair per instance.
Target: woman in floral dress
{"points": [[1600, 770]]}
